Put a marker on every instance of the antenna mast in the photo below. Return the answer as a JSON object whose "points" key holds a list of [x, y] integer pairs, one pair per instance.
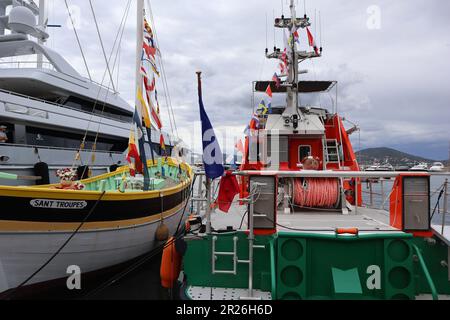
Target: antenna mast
{"points": [[43, 25], [295, 57]]}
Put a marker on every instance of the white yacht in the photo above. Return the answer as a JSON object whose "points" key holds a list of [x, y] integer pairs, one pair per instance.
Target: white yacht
{"points": [[47, 107], [437, 167], [420, 167]]}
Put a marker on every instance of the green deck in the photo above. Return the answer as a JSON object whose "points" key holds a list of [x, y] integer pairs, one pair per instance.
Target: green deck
{"points": [[161, 174], [305, 266]]}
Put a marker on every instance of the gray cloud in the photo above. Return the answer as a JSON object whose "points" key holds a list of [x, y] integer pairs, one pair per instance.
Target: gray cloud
{"points": [[392, 81]]}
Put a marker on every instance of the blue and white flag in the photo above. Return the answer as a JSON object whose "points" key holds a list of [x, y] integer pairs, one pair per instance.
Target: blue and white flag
{"points": [[212, 154]]}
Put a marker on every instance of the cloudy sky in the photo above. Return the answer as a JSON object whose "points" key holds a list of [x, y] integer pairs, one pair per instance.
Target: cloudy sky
{"points": [[390, 58]]}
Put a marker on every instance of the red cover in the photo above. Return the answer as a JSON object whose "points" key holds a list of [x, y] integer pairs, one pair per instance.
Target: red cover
{"points": [[229, 188]]}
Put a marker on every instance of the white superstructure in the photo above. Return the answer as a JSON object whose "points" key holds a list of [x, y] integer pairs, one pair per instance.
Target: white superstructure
{"points": [[47, 106]]}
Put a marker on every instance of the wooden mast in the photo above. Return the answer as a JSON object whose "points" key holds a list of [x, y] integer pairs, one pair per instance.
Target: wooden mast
{"points": [[138, 86]]}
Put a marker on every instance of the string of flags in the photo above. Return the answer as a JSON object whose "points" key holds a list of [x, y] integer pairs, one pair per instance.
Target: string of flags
{"points": [[265, 106], [149, 106]]}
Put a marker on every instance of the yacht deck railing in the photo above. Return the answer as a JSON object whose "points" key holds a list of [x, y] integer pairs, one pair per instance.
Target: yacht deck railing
{"points": [[58, 105]]}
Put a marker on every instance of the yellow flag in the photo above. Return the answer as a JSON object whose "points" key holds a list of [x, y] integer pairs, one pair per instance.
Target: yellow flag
{"points": [[144, 109]]}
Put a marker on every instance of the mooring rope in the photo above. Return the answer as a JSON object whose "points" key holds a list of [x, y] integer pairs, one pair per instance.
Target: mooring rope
{"points": [[9, 295], [316, 193]]}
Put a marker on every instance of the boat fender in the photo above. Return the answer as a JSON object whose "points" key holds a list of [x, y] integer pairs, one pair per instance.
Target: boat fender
{"points": [[41, 170], [170, 265], [162, 232]]}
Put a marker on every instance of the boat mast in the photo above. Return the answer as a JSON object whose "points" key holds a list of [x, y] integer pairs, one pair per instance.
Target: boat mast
{"points": [[295, 57], [139, 44], [292, 91]]}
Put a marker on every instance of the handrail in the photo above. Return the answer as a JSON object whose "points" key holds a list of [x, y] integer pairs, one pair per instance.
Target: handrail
{"points": [[52, 68], [427, 273], [56, 148], [334, 174], [273, 273]]}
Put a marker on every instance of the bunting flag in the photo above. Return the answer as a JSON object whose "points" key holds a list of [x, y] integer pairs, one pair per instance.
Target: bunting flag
{"points": [[149, 50], [254, 123], [240, 147], [156, 99], [284, 57], [311, 41], [269, 91], [162, 143], [296, 36], [154, 113], [293, 38], [277, 80], [133, 153], [262, 108], [144, 110], [283, 69], [147, 29], [247, 131]]}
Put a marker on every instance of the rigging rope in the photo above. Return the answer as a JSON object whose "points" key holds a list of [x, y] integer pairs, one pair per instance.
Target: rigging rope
{"points": [[179, 234], [61, 248], [103, 47], [83, 142], [78, 39], [164, 77], [117, 56]]}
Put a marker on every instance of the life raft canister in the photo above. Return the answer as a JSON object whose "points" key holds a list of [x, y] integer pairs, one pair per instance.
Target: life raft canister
{"points": [[170, 265]]}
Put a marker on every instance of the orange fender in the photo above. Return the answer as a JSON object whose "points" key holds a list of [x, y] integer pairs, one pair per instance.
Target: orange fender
{"points": [[170, 265]]}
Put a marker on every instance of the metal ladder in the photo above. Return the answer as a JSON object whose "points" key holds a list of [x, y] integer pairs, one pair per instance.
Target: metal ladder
{"points": [[217, 254]]}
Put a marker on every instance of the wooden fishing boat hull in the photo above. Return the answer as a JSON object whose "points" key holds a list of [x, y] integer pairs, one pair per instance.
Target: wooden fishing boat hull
{"points": [[21, 254], [114, 228]]}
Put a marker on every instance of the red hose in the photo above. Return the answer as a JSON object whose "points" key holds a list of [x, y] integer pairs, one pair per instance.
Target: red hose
{"points": [[316, 193]]}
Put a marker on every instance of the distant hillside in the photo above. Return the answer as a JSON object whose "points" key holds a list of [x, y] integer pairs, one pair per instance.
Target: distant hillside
{"points": [[392, 156]]}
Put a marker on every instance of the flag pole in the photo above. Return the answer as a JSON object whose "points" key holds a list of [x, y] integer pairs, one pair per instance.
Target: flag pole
{"points": [[208, 180], [138, 77]]}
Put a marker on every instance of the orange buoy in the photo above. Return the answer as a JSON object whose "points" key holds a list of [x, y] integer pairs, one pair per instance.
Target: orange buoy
{"points": [[170, 265]]}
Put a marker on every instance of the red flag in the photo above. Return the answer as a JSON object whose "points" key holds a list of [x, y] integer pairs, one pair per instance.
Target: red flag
{"points": [[269, 91], [133, 153], [240, 146], [310, 38], [311, 41], [277, 80], [162, 142], [229, 188], [150, 88], [149, 50]]}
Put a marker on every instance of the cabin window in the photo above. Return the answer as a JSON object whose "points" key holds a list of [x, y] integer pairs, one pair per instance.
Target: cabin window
{"points": [[100, 108], [7, 134], [303, 152]]}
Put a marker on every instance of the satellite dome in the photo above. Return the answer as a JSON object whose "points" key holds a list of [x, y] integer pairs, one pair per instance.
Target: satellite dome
{"points": [[22, 20]]}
